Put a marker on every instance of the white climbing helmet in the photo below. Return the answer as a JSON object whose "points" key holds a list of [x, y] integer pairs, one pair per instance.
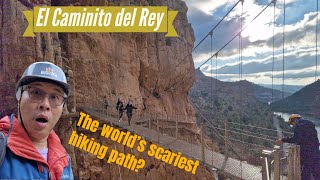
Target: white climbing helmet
{"points": [[43, 72]]}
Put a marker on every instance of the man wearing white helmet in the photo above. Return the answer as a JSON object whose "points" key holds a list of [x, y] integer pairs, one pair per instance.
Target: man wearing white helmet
{"points": [[306, 136], [34, 151]]}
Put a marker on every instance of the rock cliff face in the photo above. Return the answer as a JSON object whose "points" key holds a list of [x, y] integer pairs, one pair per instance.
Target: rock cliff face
{"points": [[142, 67], [136, 66]]}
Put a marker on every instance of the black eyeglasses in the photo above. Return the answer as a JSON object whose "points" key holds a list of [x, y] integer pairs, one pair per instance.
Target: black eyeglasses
{"points": [[39, 95]]}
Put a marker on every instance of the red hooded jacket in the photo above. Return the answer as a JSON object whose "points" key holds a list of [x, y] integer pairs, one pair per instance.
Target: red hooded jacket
{"points": [[20, 144]]}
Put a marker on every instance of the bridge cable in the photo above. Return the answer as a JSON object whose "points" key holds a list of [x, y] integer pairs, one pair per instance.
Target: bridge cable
{"points": [[240, 54], [256, 127], [216, 81], [264, 147], [211, 69], [317, 40], [273, 42], [201, 42], [249, 131], [247, 25], [237, 33], [215, 128], [216, 54], [207, 34], [241, 133], [243, 142], [210, 123], [240, 43], [211, 89], [240, 58], [283, 41]]}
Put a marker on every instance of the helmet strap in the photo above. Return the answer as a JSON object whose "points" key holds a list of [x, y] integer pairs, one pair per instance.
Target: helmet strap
{"points": [[20, 111]]}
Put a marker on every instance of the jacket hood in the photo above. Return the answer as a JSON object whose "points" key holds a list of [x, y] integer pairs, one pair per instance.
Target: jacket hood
{"points": [[306, 123]]}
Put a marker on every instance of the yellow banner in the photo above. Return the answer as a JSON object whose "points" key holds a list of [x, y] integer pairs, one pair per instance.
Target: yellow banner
{"points": [[100, 19]]}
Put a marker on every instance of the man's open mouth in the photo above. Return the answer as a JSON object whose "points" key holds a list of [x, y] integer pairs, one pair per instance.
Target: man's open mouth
{"points": [[42, 120]]}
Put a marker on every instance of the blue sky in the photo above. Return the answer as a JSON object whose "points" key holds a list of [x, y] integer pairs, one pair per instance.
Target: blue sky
{"points": [[257, 40]]}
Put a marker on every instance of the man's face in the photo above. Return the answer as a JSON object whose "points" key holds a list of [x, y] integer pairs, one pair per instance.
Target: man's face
{"points": [[39, 116], [293, 122]]}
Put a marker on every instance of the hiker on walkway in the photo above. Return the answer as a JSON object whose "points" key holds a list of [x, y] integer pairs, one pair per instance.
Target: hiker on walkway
{"points": [[129, 107], [305, 135], [106, 104], [32, 148], [120, 108]]}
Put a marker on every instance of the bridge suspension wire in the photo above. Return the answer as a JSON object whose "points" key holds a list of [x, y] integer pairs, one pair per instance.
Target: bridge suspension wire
{"points": [[217, 132], [237, 33], [283, 40], [208, 33], [216, 54], [240, 58], [216, 81], [240, 133], [248, 143], [317, 23], [243, 142], [211, 69], [205, 119], [246, 131], [273, 44], [240, 44], [233, 139], [218, 128], [256, 127], [250, 133]]}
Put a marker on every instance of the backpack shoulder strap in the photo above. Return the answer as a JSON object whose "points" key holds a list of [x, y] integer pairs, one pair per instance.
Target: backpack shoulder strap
{"points": [[4, 141], [11, 122]]}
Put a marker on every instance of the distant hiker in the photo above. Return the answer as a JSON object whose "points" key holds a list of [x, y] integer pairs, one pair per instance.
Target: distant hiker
{"points": [[305, 135], [17, 77], [106, 104], [120, 108], [129, 107]]}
